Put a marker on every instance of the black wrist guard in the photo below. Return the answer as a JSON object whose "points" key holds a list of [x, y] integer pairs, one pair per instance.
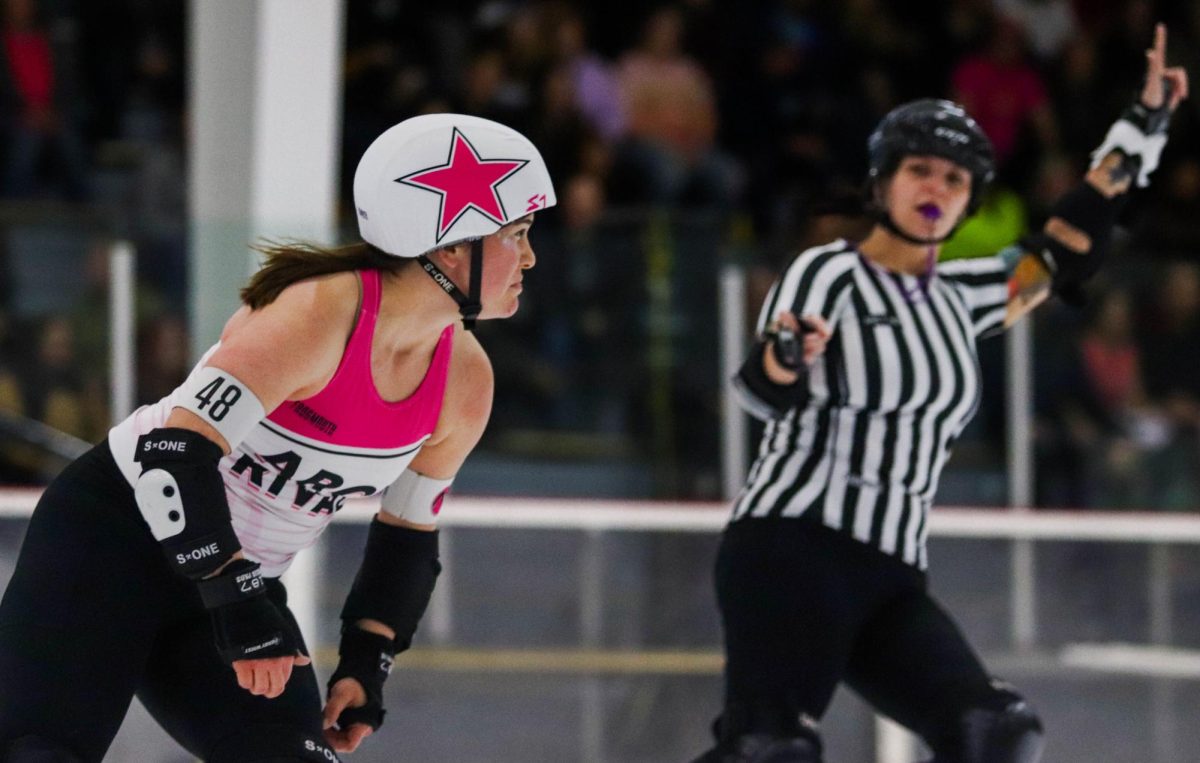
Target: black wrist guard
{"points": [[367, 658], [182, 497], [763, 397], [246, 624], [1151, 121], [1138, 137], [396, 579], [1088, 210]]}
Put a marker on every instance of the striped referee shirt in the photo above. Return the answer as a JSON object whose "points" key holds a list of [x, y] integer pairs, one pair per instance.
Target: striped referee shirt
{"points": [[897, 383]]}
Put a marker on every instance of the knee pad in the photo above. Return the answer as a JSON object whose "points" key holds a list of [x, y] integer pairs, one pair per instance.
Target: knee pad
{"points": [[32, 749], [272, 743], [1004, 728]]}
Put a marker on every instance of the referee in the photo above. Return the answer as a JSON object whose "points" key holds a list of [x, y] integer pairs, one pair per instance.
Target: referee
{"points": [[866, 371]]}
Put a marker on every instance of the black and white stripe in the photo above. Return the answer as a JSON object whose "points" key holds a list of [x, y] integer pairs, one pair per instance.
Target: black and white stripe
{"points": [[898, 382]]}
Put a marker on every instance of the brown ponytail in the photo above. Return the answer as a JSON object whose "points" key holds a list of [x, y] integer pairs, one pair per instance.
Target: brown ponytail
{"points": [[295, 261]]}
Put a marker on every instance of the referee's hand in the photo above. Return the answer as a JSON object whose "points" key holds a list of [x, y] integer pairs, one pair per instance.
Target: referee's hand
{"points": [[1159, 76], [815, 337]]}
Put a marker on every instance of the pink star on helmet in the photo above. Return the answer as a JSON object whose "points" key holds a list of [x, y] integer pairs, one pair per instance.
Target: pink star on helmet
{"points": [[465, 182]]}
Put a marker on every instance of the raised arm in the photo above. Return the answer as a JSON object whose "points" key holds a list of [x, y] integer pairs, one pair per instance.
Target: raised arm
{"points": [[1072, 244]]}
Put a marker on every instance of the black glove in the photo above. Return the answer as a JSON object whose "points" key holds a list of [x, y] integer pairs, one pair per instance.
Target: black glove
{"points": [[247, 625], [367, 658]]}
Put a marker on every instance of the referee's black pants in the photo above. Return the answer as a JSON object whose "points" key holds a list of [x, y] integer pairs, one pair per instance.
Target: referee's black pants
{"points": [[94, 615], [805, 607]]}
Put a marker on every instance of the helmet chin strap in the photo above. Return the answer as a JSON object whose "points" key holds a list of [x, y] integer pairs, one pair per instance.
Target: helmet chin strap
{"points": [[469, 305], [931, 214]]}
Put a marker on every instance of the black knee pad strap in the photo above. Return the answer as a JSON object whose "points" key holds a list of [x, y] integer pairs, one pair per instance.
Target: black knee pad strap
{"points": [[273, 743]]}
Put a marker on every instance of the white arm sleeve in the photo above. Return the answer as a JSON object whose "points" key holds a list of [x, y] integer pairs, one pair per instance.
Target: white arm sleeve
{"points": [[223, 401], [415, 498]]}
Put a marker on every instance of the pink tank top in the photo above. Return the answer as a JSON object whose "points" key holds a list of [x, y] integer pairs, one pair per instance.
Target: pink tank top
{"points": [[349, 411], [294, 470]]}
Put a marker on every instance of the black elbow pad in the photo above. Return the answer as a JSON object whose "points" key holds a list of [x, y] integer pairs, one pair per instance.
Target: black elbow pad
{"points": [[395, 581], [181, 496], [1088, 210]]}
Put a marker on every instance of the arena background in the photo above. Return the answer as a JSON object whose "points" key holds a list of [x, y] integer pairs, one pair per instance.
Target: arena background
{"points": [[696, 146]]}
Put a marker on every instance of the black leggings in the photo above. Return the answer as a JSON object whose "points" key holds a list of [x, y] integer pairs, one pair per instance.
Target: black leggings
{"points": [[805, 607], [94, 615]]}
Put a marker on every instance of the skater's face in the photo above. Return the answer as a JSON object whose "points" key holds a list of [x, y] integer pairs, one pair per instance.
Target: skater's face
{"points": [[507, 254]]}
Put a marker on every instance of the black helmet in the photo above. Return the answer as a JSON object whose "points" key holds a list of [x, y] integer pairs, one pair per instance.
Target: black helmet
{"points": [[936, 128]]}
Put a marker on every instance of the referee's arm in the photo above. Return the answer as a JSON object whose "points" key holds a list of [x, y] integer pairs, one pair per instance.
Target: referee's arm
{"points": [[766, 387]]}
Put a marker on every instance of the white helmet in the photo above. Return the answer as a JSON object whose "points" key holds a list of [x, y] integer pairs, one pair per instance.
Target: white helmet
{"points": [[439, 179]]}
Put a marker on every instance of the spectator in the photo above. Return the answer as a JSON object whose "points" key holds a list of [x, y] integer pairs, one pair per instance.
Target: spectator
{"points": [[1005, 93], [35, 106], [1068, 423], [594, 85], [47, 387], [527, 50], [55, 389], [558, 128], [1129, 429], [1171, 331], [588, 322], [669, 151]]}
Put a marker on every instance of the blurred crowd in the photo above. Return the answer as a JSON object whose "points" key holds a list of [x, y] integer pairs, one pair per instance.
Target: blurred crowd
{"points": [[682, 135]]}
